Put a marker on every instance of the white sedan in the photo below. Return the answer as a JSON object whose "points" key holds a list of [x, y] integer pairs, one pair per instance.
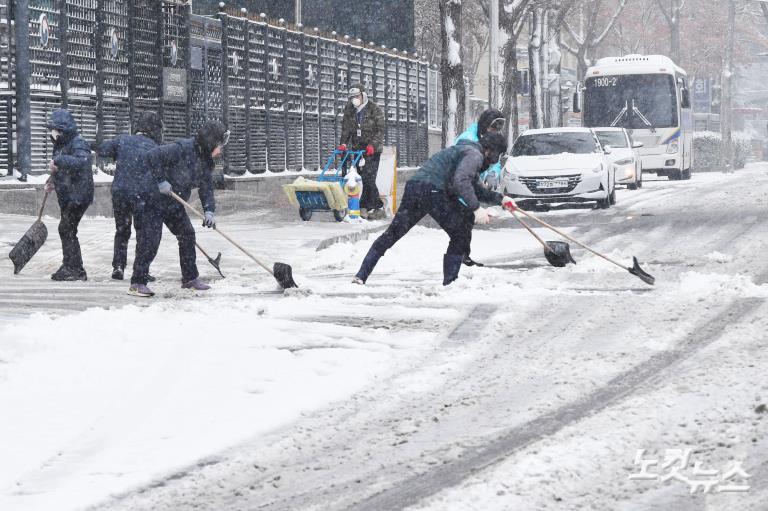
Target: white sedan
{"points": [[557, 165], [620, 149]]}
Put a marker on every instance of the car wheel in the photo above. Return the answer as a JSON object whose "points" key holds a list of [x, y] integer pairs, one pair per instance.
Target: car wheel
{"points": [[612, 196], [675, 175], [604, 203], [640, 178], [687, 174], [339, 215], [305, 214]]}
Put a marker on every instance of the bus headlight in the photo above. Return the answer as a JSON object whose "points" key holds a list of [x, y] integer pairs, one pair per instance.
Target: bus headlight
{"points": [[673, 147]]}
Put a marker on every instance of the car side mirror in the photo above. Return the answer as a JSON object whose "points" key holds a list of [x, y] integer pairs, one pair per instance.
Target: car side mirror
{"points": [[637, 145], [607, 149], [503, 159]]}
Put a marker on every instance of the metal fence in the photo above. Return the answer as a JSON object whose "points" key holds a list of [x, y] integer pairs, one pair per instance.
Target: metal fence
{"points": [[280, 89]]}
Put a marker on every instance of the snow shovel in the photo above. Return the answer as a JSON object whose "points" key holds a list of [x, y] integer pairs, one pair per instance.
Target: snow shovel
{"points": [[634, 269], [282, 272], [214, 262], [31, 242], [558, 253]]}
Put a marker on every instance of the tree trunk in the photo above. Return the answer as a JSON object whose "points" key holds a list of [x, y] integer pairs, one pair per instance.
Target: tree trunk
{"points": [[511, 88], [452, 71], [534, 59]]}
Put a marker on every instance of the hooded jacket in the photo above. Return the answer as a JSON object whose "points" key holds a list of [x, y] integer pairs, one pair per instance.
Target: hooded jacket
{"points": [[132, 175], [456, 171], [73, 179], [182, 164]]}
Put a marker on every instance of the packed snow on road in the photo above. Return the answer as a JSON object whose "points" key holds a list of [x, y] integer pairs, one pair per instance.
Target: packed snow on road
{"points": [[519, 386]]}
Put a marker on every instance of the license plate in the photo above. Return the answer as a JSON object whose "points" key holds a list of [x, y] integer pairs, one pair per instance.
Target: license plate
{"points": [[553, 183]]}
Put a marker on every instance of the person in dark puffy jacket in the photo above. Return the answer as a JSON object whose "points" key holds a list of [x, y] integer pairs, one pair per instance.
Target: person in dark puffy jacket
{"points": [[362, 129], [447, 188], [133, 184], [72, 179], [179, 167]]}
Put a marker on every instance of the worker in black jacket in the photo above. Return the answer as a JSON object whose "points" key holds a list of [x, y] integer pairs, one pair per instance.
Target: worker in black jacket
{"points": [[446, 188], [179, 167], [133, 184], [72, 178]]}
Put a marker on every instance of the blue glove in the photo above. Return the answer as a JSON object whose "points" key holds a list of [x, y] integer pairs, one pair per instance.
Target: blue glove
{"points": [[164, 188], [209, 220]]}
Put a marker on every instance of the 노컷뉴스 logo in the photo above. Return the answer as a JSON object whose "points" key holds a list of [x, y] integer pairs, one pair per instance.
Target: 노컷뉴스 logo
{"points": [[676, 464]]}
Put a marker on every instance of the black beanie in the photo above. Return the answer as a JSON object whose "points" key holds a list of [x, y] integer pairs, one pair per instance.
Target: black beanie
{"points": [[151, 125], [209, 136], [486, 119], [496, 142]]}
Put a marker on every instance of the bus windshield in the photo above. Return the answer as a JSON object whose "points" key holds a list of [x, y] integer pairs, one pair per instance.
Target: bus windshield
{"points": [[631, 101]]}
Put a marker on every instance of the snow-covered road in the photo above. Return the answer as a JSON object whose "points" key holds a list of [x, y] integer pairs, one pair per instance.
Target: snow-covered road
{"points": [[521, 386]]}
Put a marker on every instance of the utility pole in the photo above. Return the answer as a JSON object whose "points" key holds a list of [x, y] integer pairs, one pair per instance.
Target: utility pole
{"points": [[493, 56], [298, 12], [726, 110]]}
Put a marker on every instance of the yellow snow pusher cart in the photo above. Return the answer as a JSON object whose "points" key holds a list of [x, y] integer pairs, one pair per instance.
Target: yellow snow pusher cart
{"points": [[325, 194]]}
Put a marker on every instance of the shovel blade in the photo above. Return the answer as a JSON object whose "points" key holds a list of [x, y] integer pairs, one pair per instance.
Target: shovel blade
{"points": [[284, 275], [216, 264], [28, 246], [558, 253], [640, 273]]}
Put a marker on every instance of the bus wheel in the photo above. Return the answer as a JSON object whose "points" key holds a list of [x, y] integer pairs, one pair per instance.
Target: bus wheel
{"points": [[687, 174], [675, 175]]}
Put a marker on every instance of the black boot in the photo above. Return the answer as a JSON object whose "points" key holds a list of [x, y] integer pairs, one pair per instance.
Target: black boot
{"points": [[369, 263], [451, 267], [117, 273], [69, 274]]}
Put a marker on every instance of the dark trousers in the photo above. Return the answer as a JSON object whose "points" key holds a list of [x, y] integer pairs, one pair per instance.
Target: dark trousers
{"points": [[164, 210], [124, 208], [370, 198], [147, 219], [71, 214], [421, 199]]}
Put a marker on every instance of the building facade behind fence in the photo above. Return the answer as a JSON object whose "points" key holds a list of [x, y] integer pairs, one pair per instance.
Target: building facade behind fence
{"points": [[280, 89]]}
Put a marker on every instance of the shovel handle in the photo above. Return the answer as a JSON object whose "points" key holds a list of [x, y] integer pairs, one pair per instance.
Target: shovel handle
{"points": [[45, 198], [528, 228], [196, 212], [569, 238]]}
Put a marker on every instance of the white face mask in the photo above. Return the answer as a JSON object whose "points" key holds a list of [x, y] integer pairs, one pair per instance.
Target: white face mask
{"points": [[54, 134], [357, 102]]}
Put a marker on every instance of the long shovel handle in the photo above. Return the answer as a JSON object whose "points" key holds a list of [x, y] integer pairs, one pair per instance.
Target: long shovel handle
{"points": [[528, 228], [569, 238], [196, 212], [45, 198]]}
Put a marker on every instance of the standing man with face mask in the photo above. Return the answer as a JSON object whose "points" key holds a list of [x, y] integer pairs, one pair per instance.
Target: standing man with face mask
{"points": [[72, 178], [446, 188], [362, 129], [179, 167]]}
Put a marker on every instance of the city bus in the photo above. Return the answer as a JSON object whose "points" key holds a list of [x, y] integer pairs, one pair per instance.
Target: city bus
{"points": [[648, 95]]}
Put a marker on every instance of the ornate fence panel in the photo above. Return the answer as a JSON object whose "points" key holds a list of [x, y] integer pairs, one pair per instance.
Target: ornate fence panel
{"points": [[280, 89], [257, 80]]}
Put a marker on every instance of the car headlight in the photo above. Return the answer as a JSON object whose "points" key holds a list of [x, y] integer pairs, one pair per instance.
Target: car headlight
{"points": [[673, 147], [625, 161], [597, 169]]}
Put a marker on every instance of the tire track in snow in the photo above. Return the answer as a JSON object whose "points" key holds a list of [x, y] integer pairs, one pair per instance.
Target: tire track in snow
{"points": [[412, 491]]}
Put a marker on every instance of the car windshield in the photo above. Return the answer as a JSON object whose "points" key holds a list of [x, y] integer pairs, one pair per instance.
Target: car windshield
{"points": [[614, 139], [542, 144]]}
